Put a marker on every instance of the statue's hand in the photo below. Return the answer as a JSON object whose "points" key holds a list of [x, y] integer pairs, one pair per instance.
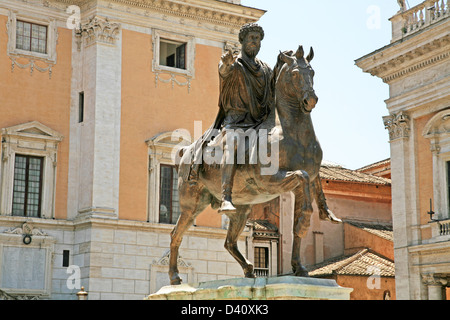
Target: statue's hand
{"points": [[228, 58]]}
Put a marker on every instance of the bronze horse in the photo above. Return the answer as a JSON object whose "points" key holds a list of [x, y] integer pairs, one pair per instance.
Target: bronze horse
{"points": [[299, 161]]}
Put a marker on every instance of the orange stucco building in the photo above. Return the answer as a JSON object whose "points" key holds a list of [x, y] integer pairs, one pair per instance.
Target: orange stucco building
{"points": [[91, 93]]}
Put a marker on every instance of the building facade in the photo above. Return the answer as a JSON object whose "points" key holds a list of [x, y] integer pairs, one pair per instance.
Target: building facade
{"points": [[416, 66], [95, 97], [91, 94]]}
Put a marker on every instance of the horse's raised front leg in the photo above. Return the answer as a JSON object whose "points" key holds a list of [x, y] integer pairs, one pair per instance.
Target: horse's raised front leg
{"points": [[302, 217], [324, 212], [235, 228]]}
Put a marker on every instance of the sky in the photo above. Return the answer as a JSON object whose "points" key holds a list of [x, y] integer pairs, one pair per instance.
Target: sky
{"points": [[348, 117]]}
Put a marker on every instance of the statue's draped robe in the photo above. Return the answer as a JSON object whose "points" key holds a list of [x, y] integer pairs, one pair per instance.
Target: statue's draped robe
{"points": [[245, 94], [244, 103]]}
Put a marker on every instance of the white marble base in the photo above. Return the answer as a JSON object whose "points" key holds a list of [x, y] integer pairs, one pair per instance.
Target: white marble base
{"points": [[276, 288]]}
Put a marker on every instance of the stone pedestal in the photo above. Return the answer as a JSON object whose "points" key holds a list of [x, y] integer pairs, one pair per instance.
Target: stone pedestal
{"points": [[277, 288]]}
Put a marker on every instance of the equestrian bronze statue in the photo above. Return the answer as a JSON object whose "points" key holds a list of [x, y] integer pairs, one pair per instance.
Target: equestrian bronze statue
{"points": [[267, 114]]}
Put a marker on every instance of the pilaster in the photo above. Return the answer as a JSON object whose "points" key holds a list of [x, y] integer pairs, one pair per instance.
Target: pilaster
{"points": [[402, 171], [100, 136]]}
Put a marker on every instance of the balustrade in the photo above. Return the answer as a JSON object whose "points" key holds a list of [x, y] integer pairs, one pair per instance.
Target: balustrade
{"points": [[425, 14], [440, 229], [262, 272], [444, 228]]}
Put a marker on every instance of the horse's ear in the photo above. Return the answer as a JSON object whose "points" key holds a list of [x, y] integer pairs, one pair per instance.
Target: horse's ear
{"points": [[310, 55], [285, 58], [300, 52]]}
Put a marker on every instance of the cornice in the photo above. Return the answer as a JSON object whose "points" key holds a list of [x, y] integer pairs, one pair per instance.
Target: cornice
{"points": [[210, 11], [414, 60]]}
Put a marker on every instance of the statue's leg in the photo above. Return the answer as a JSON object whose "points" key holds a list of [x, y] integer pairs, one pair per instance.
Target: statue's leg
{"points": [[228, 170], [235, 228], [324, 212], [302, 216], [192, 202]]}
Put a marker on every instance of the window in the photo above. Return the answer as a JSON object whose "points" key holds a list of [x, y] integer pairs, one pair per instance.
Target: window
{"points": [[169, 208], [163, 198], [31, 37], [28, 170], [261, 261], [261, 257], [27, 186], [80, 107], [172, 54], [437, 131]]}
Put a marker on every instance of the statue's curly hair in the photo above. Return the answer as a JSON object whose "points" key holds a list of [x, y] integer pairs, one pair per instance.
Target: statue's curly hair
{"points": [[250, 27]]}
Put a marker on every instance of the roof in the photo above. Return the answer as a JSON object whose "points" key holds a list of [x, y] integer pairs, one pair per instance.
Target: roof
{"points": [[376, 164], [363, 263], [382, 230], [338, 173], [264, 228]]}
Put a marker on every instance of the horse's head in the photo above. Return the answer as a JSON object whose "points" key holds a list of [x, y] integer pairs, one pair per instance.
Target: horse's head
{"points": [[293, 78]]}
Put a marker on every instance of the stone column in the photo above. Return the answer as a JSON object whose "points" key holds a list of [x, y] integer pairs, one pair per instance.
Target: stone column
{"points": [[100, 137], [435, 284]]}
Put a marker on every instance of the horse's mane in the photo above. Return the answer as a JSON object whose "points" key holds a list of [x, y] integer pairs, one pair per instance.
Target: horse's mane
{"points": [[277, 69]]}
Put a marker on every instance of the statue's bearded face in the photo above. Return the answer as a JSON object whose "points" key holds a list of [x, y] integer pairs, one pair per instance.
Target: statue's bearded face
{"points": [[252, 44]]}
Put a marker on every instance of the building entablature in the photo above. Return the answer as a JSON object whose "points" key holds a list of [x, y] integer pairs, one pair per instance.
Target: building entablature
{"points": [[222, 15], [416, 52]]}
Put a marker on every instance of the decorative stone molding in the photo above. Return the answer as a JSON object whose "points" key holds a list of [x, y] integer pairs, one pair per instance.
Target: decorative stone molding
{"points": [[413, 68], [433, 279], [164, 261], [173, 80], [49, 58], [33, 139], [32, 65], [100, 29], [437, 131], [188, 74], [235, 47], [438, 125], [159, 271], [162, 149], [197, 10], [403, 64], [27, 228], [398, 125]]}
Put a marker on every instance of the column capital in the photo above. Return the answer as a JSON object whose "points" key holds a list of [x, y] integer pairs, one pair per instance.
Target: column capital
{"points": [[99, 29], [398, 125], [435, 279]]}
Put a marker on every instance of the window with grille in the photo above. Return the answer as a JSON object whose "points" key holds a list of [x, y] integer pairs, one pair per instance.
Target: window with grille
{"points": [[27, 187], [169, 206], [261, 255], [31, 37]]}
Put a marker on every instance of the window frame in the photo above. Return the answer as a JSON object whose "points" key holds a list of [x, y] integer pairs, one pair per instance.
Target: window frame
{"points": [[52, 35], [437, 133], [161, 152], [189, 41], [32, 24], [266, 257], [31, 139], [27, 181]]}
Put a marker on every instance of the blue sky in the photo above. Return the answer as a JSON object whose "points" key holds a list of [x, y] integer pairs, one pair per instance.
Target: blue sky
{"points": [[348, 118]]}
